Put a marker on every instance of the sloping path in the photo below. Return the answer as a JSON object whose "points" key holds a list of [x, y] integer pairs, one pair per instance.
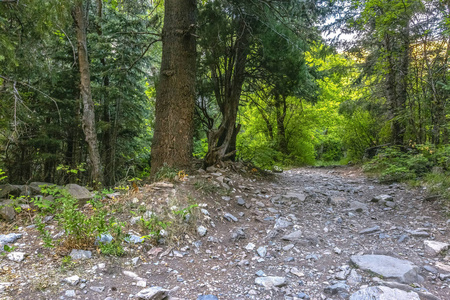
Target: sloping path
{"points": [[293, 238]]}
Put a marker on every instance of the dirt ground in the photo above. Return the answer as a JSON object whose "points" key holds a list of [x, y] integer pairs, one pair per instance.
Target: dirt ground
{"points": [[329, 208]]}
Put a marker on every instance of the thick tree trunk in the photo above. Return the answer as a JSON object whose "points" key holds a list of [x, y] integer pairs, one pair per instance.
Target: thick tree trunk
{"points": [[88, 119], [175, 99]]}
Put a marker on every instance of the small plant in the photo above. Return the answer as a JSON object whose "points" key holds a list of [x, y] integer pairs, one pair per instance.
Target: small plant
{"points": [[166, 173], [2, 175], [44, 234], [9, 248], [44, 205], [185, 211], [114, 247], [155, 226]]}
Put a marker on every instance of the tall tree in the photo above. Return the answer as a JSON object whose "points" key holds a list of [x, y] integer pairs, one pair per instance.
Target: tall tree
{"points": [[175, 98], [88, 120]]}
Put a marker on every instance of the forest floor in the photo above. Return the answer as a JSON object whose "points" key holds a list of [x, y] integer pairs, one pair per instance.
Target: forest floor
{"points": [[329, 211]]}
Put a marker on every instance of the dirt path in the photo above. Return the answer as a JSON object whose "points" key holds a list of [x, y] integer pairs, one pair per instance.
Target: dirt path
{"points": [[332, 219]]}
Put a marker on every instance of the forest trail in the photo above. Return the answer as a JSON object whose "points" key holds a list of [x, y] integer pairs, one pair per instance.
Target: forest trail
{"points": [[312, 233]]}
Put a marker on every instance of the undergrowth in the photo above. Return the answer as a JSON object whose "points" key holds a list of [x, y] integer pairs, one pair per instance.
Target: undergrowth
{"points": [[422, 164]]}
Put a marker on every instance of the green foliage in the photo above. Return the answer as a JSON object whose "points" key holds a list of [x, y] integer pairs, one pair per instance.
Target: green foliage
{"points": [[154, 225], [396, 164], [44, 234], [183, 212], [8, 249], [2, 175], [115, 247], [79, 228]]}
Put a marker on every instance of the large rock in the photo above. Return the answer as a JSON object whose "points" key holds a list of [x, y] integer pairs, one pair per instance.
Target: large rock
{"points": [[383, 293], [434, 247], [8, 190], [389, 267], [271, 281], [7, 212], [153, 293], [80, 193], [35, 187]]}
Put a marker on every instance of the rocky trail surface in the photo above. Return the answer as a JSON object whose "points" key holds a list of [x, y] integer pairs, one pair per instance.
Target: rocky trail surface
{"points": [[310, 233]]}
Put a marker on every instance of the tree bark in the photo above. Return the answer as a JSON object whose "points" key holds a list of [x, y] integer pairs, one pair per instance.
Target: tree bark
{"points": [[281, 109], [88, 119], [175, 98]]}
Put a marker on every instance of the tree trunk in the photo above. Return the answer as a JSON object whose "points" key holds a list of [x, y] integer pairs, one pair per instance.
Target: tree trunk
{"points": [[175, 98], [281, 108], [88, 119], [222, 142]]}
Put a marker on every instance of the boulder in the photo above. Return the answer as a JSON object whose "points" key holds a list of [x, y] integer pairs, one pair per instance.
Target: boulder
{"points": [[80, 193], [389, 267], [9, 190], [383, 293], [7, 212]]}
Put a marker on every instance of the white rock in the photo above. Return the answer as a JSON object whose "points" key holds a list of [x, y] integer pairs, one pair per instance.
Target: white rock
{"points": [[434, 247], [16, 256]]}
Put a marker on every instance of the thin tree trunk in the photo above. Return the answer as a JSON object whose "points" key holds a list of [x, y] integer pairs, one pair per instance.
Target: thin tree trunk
{"points": [[88, 119], [175, 99], [281, 108], [222, 142]]}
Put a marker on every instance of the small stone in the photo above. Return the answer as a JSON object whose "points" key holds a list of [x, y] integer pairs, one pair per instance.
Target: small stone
{"points": [[204, 211], [430, 269], [281, 223], [98, 289], [230, 217], [250, 246], [260, 273], [73, 280], [336, 289], [153, 293], [226, 198], [444, 277], [135, 261], [293, 236], [337, 250], [201, 230], [141, 283], [80, 254], [419, 233], [297, 272], [207, 297], [262, 251], [240, 201], [271, 281], [104, 239], [134, 239], [370, 230], [238, 234], [382, 198], [16, 256], [357, 207], [403, 238], [70, 293], [288, 247]]}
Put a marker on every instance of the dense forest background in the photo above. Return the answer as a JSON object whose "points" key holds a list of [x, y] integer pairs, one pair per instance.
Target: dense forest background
{"points": [[276, 83]]}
